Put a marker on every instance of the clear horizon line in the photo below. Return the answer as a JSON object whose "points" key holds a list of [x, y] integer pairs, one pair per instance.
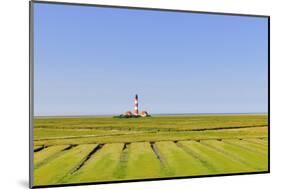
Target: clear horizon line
{"points": [[197, 113]]}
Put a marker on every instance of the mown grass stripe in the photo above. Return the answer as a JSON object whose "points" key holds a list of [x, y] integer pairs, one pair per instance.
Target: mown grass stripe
{"points": [[255, 160], [254, 147], [187, 149], [46, 154], [222, 162], [96, 148], [142, 162], [160, 158], [120, 172], [258, 141], [100, 167], [178, 161], [53, 171]]}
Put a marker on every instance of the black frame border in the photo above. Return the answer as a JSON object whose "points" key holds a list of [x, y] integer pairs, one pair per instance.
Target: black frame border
{"points": [[31, 90]]}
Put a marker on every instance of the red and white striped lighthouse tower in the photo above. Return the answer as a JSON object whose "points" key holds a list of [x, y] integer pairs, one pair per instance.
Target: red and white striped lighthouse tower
{"points": [[136, 109]]}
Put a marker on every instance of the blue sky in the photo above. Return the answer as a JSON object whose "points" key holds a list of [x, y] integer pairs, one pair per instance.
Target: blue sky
{"points": [[92, 61]]}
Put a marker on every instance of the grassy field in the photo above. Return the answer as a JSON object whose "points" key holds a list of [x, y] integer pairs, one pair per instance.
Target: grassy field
{"points": [[91, 149]]}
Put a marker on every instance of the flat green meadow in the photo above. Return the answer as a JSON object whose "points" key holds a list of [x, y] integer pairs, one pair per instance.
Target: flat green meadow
{"points": [[70, 150]]}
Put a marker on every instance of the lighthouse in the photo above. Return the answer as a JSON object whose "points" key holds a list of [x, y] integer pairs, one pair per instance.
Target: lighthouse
{"points": [[136, 113], [136, 108]]}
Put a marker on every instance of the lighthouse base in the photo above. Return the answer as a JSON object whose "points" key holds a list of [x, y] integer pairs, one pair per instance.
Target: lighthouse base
{"points": [[132, 116]]}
